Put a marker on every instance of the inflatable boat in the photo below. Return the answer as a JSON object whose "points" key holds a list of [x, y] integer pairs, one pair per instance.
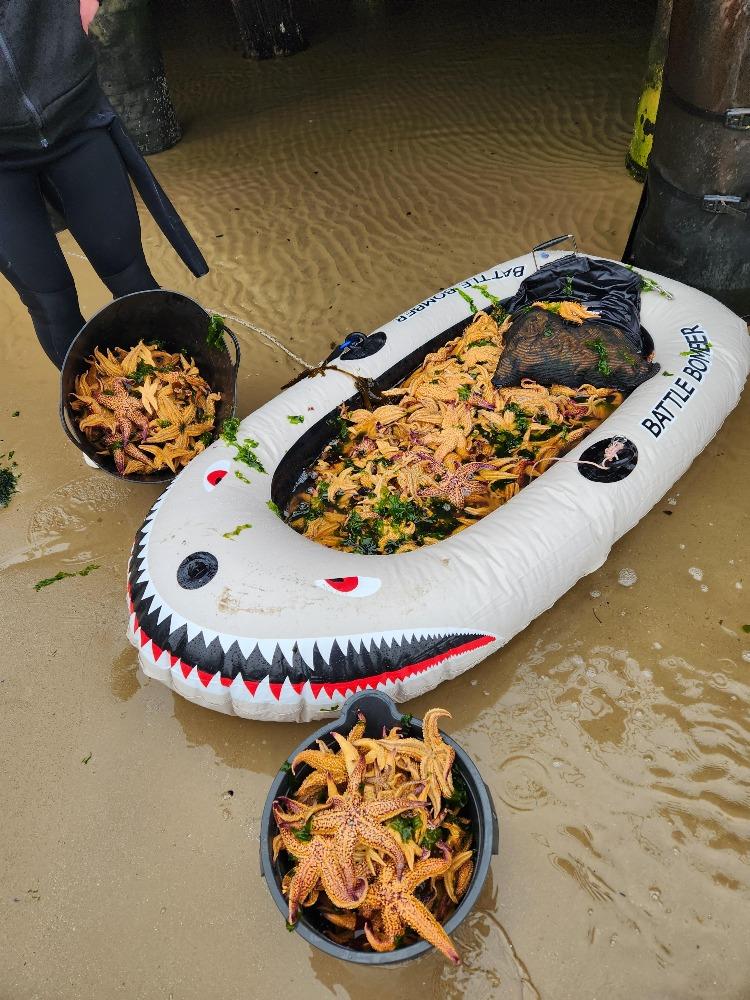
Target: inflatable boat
{"points": [[235, 611]]}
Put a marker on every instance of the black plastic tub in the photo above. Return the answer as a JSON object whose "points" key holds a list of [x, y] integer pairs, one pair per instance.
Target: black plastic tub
{"points": [[380, 711], [176, 320]]}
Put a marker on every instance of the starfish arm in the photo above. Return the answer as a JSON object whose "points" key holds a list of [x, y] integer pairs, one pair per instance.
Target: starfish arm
{"points": [[346, 920], [358, 729], [329, 820], [429, 868], [312, 784], [392, 926], [291, 844], [329, 763], [350, 756], [383, 809], [430, 731], [303, 882], [419, 918], [464, 878], [376, 836], [347, 896]]}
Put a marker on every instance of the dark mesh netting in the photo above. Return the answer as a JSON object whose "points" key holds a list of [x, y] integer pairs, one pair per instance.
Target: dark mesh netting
{"points": [[556, 346]]}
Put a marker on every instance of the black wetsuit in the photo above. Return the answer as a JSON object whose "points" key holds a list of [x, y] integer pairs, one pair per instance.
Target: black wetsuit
{"points": [[55, 145]]}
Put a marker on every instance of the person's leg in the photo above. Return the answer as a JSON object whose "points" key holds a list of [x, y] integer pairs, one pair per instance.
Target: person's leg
{"points": [[92, 186], [31, 259]]}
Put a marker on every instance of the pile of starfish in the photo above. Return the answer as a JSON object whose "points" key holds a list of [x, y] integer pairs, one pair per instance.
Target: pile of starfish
{"points": [[148, 408], [445, 437], [378, 837]]}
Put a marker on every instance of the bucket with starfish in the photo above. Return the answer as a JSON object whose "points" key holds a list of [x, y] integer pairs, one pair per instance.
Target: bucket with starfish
{"points": [[158, 323], [377, 835]]}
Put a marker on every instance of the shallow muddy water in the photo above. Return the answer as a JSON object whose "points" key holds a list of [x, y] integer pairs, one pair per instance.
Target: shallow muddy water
{"points": [[410, 146]]}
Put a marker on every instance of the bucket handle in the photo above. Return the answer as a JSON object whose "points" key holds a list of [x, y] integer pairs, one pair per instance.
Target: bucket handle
{"points": [[229, 333]]}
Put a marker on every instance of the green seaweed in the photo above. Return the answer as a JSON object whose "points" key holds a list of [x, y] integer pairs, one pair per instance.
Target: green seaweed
{"points": [[8, 481], [236, 531], [295, 418], [467, 298], [215, 335], [599, 348], [405, 826], [274, 508], [62, 575]]}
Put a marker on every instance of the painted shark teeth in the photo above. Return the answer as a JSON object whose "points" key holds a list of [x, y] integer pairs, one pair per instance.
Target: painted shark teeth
{"points": [[288, 677]]}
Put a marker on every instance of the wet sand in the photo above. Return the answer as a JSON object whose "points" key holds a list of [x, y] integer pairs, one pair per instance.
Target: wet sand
{"points": [[405, 149]]}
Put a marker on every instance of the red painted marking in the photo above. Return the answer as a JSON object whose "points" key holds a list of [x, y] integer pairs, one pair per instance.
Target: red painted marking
{"points": [[173, 659], [157, 650], [215, 477], [205, 678], [344, 584], [185, 668]]}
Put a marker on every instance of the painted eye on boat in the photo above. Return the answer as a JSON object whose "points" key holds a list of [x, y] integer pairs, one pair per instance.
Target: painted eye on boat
{"points": [[350, 586], [214, 475], [196, 570]]}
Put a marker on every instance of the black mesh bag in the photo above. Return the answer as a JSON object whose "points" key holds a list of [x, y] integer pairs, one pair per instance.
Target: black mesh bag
{"points": [[608, 351]]}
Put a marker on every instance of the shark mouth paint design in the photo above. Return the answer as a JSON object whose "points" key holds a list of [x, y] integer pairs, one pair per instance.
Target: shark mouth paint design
{"points": [[240, 675]]}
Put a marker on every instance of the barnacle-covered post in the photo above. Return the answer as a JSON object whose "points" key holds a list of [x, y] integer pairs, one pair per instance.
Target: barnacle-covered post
{"points": [[268, 28], [694, 222], [648, 103], [131, 72]]}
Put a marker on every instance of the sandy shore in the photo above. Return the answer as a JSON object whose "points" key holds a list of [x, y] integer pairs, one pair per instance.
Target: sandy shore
{"points": [[405, 149]]}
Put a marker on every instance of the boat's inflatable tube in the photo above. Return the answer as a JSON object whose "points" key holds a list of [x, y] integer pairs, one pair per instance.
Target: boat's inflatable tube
{"points": [[267, 624]]}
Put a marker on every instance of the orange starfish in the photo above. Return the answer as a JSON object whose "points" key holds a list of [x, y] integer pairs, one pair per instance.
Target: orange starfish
{"points": [[318, 861], [326, 764], [115, 397], [456, 484], [349, 820], [434, 755], [392, 898]]}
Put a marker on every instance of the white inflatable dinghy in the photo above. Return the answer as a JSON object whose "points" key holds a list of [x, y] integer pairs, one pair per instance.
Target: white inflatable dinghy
{"points": [[237, 612]]}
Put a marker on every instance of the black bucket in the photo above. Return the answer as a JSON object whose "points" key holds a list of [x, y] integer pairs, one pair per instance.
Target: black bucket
{"points": [[175, 320], [380, 710]]}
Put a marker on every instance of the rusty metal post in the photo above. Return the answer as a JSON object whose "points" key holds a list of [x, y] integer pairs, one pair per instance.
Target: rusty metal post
{"points": [[268, 28], [695, 219]]}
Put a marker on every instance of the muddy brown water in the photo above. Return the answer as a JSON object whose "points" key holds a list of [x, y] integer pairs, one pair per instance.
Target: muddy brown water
{"points": [[407, 148]]}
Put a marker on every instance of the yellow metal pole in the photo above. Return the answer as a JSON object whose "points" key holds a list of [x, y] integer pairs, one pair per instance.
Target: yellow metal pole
{"points": [[648, 104]]}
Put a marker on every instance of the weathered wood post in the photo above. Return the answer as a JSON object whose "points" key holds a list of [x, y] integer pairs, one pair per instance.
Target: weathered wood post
{"points": [[268, 28], [645, 116], [131, 72], [694, 222]]}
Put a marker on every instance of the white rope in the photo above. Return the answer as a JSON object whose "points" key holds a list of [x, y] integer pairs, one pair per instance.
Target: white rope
{"points": [[266, 336]]}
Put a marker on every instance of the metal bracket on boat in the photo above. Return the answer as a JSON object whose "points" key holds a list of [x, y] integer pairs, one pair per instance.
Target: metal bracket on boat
{"points": [[541, 249], [737, 118], [726, 204]]}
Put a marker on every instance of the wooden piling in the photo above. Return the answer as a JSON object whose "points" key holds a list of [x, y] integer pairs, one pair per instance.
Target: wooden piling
{"points": [[131, 72], [268, 28], [694, 219]]}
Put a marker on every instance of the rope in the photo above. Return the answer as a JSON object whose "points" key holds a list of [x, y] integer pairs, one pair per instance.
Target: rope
{"points": [[266, 336]]}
